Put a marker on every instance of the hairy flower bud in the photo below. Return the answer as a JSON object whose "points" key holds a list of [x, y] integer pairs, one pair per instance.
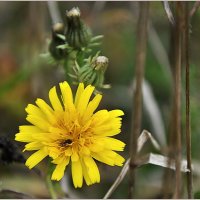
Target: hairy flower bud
{"points": [[57, 53], [77, 34], [92, 72], [100, 63]]}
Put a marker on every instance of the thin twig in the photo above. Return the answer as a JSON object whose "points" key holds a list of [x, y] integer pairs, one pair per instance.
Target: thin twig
{"points": [[177, 98], [169, 12], [118, 180], [187, 96], [139, 74], [194, 8]]}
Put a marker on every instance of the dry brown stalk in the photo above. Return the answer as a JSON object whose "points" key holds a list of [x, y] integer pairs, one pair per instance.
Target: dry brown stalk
{"points": [[177, 96], [187, 96], [139, 75]]}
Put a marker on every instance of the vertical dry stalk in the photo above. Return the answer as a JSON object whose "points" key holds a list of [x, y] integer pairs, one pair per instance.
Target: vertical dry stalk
{"points": [[177, 109], [139, 74], [168, 177], [187, 96]]}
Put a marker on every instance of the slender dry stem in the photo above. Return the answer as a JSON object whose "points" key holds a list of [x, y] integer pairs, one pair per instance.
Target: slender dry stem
{"points": [[187, 96], [139, 74], [177, 111]]}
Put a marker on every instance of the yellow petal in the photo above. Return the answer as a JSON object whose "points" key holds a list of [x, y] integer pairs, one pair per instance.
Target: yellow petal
{"points": [[119, 160], [24, 137], [67, 96], [116, 113], [97, 146], [85, 174], [58, 173], [33, 146], [38, 122], [85, 150], [53, 153], [74, 157], [46, 109], [34, 110], [103, 158], [92, 106], [79, 93], [100, 117], [57, 130], [68, 151], [60, 159], [92, 169], [84, 99], [55, 102], [44, 137], [29, 129], [110, 132], [109, 157], [113, 144], [35, 158], [77, 174]]}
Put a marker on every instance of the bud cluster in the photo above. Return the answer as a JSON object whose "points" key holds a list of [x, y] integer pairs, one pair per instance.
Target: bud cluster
{"points": [[70, 45]]}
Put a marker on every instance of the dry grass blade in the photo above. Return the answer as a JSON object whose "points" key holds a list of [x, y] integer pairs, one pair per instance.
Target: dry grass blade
{"points": [[144, 137], [194, 8], [162, 161], [151, 158], [154, 113], [169, 12]]}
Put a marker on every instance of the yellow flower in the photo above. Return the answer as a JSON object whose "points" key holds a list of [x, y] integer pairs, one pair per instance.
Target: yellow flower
{"points": [[70, 132]]}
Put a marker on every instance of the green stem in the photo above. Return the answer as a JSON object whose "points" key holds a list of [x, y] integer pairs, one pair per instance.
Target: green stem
{"points": [[49, 183], [68, 65], [51, 187]]}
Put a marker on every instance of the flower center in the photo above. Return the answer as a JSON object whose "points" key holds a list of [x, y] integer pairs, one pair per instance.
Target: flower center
{"points": [[65, 143]]}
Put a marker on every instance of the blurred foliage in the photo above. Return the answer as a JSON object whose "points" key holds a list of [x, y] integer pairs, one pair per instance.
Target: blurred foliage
{"points": [[25, 26]]}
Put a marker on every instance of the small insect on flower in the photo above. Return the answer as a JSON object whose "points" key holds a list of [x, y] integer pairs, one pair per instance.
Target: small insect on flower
{"points": [[71, 131]]}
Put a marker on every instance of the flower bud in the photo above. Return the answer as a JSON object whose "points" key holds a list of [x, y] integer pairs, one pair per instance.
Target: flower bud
{"points": [[100, 63], [92, 72], [78, 34], [57, 53]]}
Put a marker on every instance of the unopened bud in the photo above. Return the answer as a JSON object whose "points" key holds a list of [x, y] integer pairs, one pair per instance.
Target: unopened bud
{"points": [[58, 54], [78, 34], [101, 62], [58, 28], [74, 12]]}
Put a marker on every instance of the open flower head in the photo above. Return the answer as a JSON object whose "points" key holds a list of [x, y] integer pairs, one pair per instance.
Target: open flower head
{"points": [[71, 132]]}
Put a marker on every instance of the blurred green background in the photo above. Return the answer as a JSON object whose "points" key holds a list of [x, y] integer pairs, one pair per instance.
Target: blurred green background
{"points": [[24, 76]]}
